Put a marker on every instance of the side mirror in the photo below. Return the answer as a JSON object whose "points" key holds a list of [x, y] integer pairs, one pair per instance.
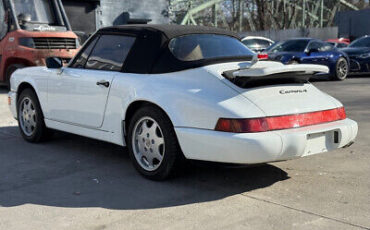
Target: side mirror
{"points": [[54, 62]]}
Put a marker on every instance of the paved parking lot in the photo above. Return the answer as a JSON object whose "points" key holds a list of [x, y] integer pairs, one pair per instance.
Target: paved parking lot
{"points": [[73, 182]]}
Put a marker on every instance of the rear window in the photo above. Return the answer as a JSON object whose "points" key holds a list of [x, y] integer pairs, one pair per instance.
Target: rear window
{"points": [[256, 42], [207, 46]]}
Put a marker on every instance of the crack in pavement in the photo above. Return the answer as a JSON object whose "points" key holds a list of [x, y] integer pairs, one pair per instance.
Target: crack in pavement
{"points": [[306, 212]]}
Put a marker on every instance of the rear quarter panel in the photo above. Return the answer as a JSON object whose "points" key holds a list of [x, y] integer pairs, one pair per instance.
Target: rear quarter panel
{"points": [[191, 98]]}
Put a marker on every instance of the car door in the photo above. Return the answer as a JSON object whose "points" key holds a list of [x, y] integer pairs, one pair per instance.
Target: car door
{"points": [[326, 50], [312, 54], [78, 95]]}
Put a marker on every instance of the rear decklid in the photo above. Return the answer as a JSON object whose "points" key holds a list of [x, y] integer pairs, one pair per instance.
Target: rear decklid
{"points": [[279, 89]]}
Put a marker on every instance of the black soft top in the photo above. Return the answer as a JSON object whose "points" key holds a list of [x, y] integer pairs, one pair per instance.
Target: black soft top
{"points": [[150, 52]]}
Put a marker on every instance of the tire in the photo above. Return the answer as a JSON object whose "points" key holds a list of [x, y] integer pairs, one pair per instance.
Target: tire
{"points": [[147, 129], [9, 71], [30, 117], [341, 69]]}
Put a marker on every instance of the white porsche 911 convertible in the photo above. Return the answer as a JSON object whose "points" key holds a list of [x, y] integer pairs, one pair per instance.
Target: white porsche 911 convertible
{"points": [[170, 92]]}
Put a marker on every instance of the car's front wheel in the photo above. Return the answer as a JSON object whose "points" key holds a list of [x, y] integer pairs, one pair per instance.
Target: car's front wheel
{"points": [[152, 143], [30, 117], [341, 69]]}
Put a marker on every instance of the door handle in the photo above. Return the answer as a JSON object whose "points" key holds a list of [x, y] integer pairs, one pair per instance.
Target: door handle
{"points": [[103, 83]]}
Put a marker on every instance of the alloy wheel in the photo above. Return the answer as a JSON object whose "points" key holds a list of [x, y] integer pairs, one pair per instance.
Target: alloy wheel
{"points": [[342, 69], [27, 116], [148, 143]]}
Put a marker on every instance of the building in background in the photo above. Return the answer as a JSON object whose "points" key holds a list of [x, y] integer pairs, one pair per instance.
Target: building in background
{"points": [[86, 16], [353, 24]]}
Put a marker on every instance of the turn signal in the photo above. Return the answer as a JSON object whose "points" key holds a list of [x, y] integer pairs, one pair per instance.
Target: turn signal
{"points": [[263, 124]]}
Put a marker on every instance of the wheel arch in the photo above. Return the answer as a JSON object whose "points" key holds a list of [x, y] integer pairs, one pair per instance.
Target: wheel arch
{"points": [[27, 85], [133, 107]]}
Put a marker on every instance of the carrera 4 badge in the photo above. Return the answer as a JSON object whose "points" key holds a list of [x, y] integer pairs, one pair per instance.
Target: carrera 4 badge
{"points": [[293, 91]]}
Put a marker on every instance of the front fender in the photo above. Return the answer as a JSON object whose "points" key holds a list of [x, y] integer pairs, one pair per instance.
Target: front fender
{"points": [[34, 77]]}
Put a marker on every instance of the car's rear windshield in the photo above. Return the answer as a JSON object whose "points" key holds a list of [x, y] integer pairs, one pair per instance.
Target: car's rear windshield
{"points": [[194, 47], [256, 42], [361, 42], [290, 46]]}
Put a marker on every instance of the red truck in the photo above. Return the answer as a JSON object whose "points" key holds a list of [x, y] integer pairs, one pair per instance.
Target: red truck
{"points": [[31, 31]]}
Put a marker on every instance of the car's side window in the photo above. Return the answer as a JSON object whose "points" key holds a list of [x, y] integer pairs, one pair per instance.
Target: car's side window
{"points": [[315, 45], [80, 61], [110, 52], [326, 47]]}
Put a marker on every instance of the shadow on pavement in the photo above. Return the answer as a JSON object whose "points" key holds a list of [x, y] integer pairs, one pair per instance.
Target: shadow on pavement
{"points": [[73, 171]]}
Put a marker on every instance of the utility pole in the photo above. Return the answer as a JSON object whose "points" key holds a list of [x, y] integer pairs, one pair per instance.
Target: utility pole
{"points": [[303, 13], [240, 15], [322, 14]]}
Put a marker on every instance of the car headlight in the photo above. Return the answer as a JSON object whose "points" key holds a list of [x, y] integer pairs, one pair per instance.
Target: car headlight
{"points": [[365, 55], [28, 42]]}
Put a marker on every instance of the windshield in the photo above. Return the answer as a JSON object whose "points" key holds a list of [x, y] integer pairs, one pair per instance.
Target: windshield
{"points": [[207, 46], [361, 42], [290, 46], [39, 11]]}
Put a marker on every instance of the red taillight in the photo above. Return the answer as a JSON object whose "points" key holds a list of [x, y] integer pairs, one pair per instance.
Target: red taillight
{"points": [[262, 56], [252, 125]]}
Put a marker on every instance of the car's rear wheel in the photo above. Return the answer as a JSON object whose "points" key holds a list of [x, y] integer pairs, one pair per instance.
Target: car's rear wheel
{"points": [[152, 143], [30, 117], [341, 69]]}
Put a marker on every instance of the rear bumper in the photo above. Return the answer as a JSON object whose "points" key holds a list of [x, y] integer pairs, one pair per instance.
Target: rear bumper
{"points": [[252, 148]]}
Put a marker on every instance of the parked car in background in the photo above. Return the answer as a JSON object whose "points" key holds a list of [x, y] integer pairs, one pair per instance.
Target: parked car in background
{"points": [[31, 31], [339, 42], [311, 51], [203, 96], [257, 44], [359, 55], [263, 55]]}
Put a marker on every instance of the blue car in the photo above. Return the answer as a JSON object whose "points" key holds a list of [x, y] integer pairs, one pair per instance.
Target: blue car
{"points": [[359, 55], [311, 51]]}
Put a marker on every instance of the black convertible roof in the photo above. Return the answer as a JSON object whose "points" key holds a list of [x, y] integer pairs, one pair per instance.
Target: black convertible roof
{"points": [[150, 52], [169, 30]]}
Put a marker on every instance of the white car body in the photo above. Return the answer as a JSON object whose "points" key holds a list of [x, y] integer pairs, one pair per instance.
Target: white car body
{"points": [[194, 100]]}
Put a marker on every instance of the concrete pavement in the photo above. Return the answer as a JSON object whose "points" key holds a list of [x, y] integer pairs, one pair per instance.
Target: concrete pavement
{"points": [[72, 182]]}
